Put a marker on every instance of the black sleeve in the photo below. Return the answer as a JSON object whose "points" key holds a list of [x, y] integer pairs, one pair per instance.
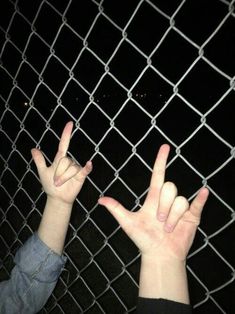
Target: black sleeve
{"points": [[161, 306]]}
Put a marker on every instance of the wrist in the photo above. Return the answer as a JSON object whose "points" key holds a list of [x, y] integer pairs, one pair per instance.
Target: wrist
{"points": [[157, 260], [54, 223], [163, 278], [58, 204]]}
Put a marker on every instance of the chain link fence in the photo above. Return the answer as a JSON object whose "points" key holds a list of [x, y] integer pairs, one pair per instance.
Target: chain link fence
{"points": [[131, 75]]}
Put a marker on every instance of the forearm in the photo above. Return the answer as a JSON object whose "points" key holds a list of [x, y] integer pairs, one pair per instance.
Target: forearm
{"points": [[54, 224], [166, 279]]}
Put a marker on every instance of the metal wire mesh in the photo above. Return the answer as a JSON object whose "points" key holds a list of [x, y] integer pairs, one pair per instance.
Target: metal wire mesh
{"points": [[131, 75]]}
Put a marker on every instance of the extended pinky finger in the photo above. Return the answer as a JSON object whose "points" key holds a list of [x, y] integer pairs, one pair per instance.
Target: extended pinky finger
{"points": [[198, 203], [83, 173]]}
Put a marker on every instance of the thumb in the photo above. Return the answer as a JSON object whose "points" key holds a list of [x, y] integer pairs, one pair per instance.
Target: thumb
{"points": [[119, 212], [38, 159]]}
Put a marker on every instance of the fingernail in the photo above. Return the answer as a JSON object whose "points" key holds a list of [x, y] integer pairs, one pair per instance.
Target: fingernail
{"points": [[161, 216], [169, 228], [56, 182]]}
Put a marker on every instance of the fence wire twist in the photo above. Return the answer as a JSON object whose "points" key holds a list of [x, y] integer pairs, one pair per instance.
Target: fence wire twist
{"points": [[131, 75]]}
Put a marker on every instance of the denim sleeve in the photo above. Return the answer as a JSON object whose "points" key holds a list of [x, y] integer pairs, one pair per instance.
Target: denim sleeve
{"points": [[33, 278]]}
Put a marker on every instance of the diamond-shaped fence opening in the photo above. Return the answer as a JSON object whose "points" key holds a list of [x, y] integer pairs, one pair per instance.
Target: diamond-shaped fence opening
{"points": [[131, 75]]}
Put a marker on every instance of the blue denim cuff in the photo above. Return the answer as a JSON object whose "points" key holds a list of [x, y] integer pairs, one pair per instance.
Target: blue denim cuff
{"points": [[38, 261]]}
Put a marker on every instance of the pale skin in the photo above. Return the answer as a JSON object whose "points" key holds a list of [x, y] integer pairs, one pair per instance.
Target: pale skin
{"points": [[163, 230], [62, 182]]}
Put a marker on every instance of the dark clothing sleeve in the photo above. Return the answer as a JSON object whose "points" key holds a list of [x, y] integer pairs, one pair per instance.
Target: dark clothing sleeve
{"points": [[161, 306]]}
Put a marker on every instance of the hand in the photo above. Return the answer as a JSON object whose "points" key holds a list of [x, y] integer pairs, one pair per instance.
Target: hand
{"points": [[166, 225], [62, 180]]}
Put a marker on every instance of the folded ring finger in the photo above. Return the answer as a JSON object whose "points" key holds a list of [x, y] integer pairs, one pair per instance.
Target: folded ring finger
{"points": [[178, 208], [62, 167], [70, 172]]}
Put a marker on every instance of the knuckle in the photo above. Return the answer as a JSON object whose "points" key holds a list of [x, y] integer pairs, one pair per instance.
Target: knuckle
{"points": [[170, 187], [181, 203], [64, 160], [115, 205], [160, 172]]}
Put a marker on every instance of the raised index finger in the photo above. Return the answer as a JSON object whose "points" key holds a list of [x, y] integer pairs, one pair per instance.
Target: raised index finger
{"points": [[158, 175], [64, 141]]}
